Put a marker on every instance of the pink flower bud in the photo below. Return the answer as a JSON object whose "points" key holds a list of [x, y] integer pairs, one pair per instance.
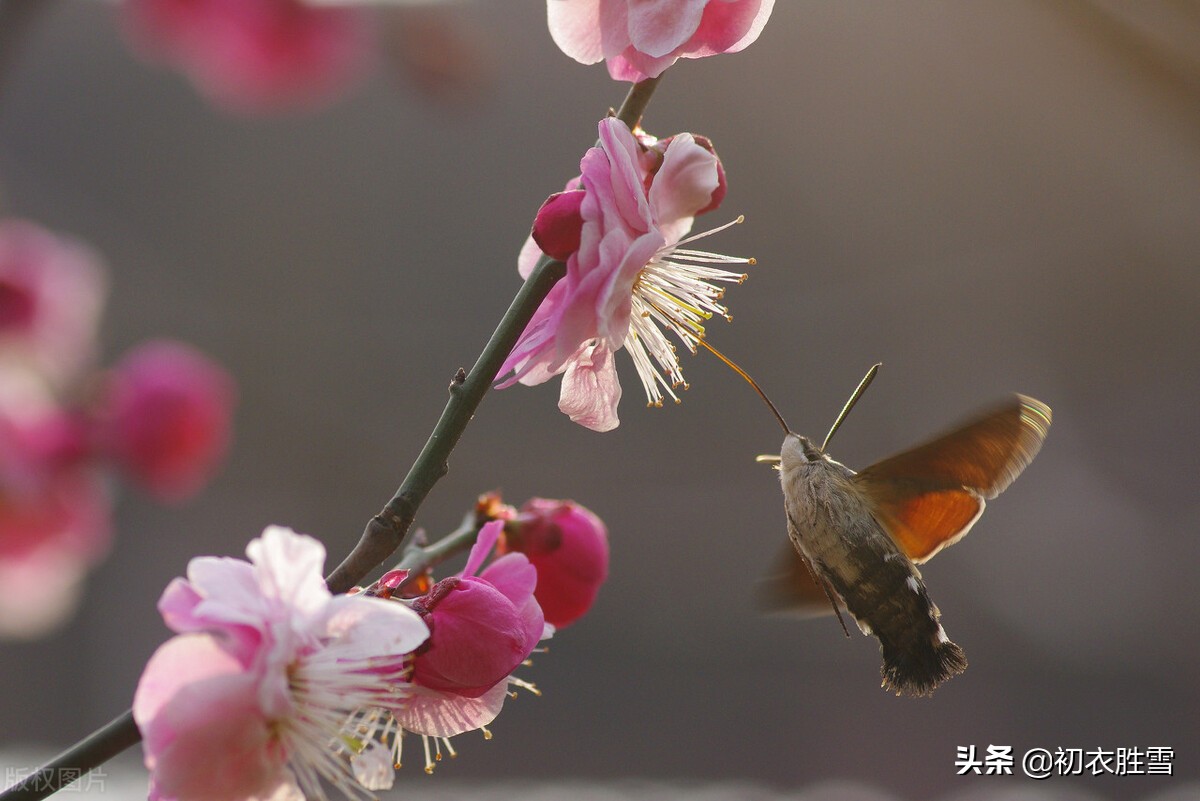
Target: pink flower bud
{"points": [[568, 545], [558, 224], [480, 628], [166, 419], [475, 637]]}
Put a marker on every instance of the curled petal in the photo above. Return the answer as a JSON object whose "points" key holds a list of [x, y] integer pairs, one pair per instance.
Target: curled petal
{"points": [[683, 186], [590, 389]]}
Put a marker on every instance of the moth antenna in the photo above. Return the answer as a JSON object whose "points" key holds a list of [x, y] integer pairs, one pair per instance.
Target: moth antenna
{"points": [[749, 381], [858, 392]]}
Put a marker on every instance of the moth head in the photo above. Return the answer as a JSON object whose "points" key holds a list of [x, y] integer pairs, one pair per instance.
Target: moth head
{"points": [[799, 449]]}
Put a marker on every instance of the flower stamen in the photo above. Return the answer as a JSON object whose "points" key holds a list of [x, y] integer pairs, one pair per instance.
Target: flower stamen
{"points": [[677, 292]]}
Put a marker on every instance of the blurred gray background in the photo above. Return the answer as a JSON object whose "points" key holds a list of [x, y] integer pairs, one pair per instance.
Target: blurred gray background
{"points": [[987, 197]]}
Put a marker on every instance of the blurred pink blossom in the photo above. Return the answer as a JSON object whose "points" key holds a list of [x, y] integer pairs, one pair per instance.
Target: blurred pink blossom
{"points": [[568, 545], [632, 275], [51, 294], [255, 55], [250, 700], [54, 509], [641, 38], [166, 417]]}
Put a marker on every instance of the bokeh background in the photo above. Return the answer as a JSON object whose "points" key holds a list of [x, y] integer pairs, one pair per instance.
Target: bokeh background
{"points": [[987, 197]]}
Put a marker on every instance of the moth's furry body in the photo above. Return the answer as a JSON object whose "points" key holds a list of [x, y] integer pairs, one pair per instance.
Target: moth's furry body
{"points": [[834, 528]]}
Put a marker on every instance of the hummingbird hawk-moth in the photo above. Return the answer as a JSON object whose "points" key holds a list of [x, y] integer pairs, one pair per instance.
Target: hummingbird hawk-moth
{"points": [[857, 538]]}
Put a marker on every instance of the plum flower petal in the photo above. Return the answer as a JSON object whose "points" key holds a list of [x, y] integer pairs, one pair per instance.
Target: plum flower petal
{"points": [[251, 699], [590, 389], [632, 279], [641, 38]]}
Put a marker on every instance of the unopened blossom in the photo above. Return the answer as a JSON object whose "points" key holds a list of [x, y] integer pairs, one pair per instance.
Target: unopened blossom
{"points": [[568, 545], [255, 55], [250, 700], [166, 417], [641, 38], [481, 628], [630, 279], [54, 509], [51, 294]]}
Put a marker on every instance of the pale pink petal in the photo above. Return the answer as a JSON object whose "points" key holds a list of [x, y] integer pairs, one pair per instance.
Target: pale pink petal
{"points": [[196, 708], [590, 389], [288, 566], [438, 714], [588, 30], [527, 259], [533, 359], [620, 183], [683, 186], [364, 627], [728, 27], [614, 303], [657, 27], [374, 766]]}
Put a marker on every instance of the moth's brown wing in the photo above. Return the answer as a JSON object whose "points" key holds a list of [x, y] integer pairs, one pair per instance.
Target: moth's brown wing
{"points": [[790, 588], [930, 496]]}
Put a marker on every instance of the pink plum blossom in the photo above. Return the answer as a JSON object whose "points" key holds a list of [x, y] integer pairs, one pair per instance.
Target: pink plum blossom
{"points": [[51, 294], [54, 509], [631, 275], [568, 545], [641, 38], [481, 628], [251, 699], [166, 417], [255, 55]]}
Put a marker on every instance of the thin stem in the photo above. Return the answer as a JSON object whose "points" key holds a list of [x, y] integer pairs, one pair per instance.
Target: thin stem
{"points": [[418, 560], [386, 532]]}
